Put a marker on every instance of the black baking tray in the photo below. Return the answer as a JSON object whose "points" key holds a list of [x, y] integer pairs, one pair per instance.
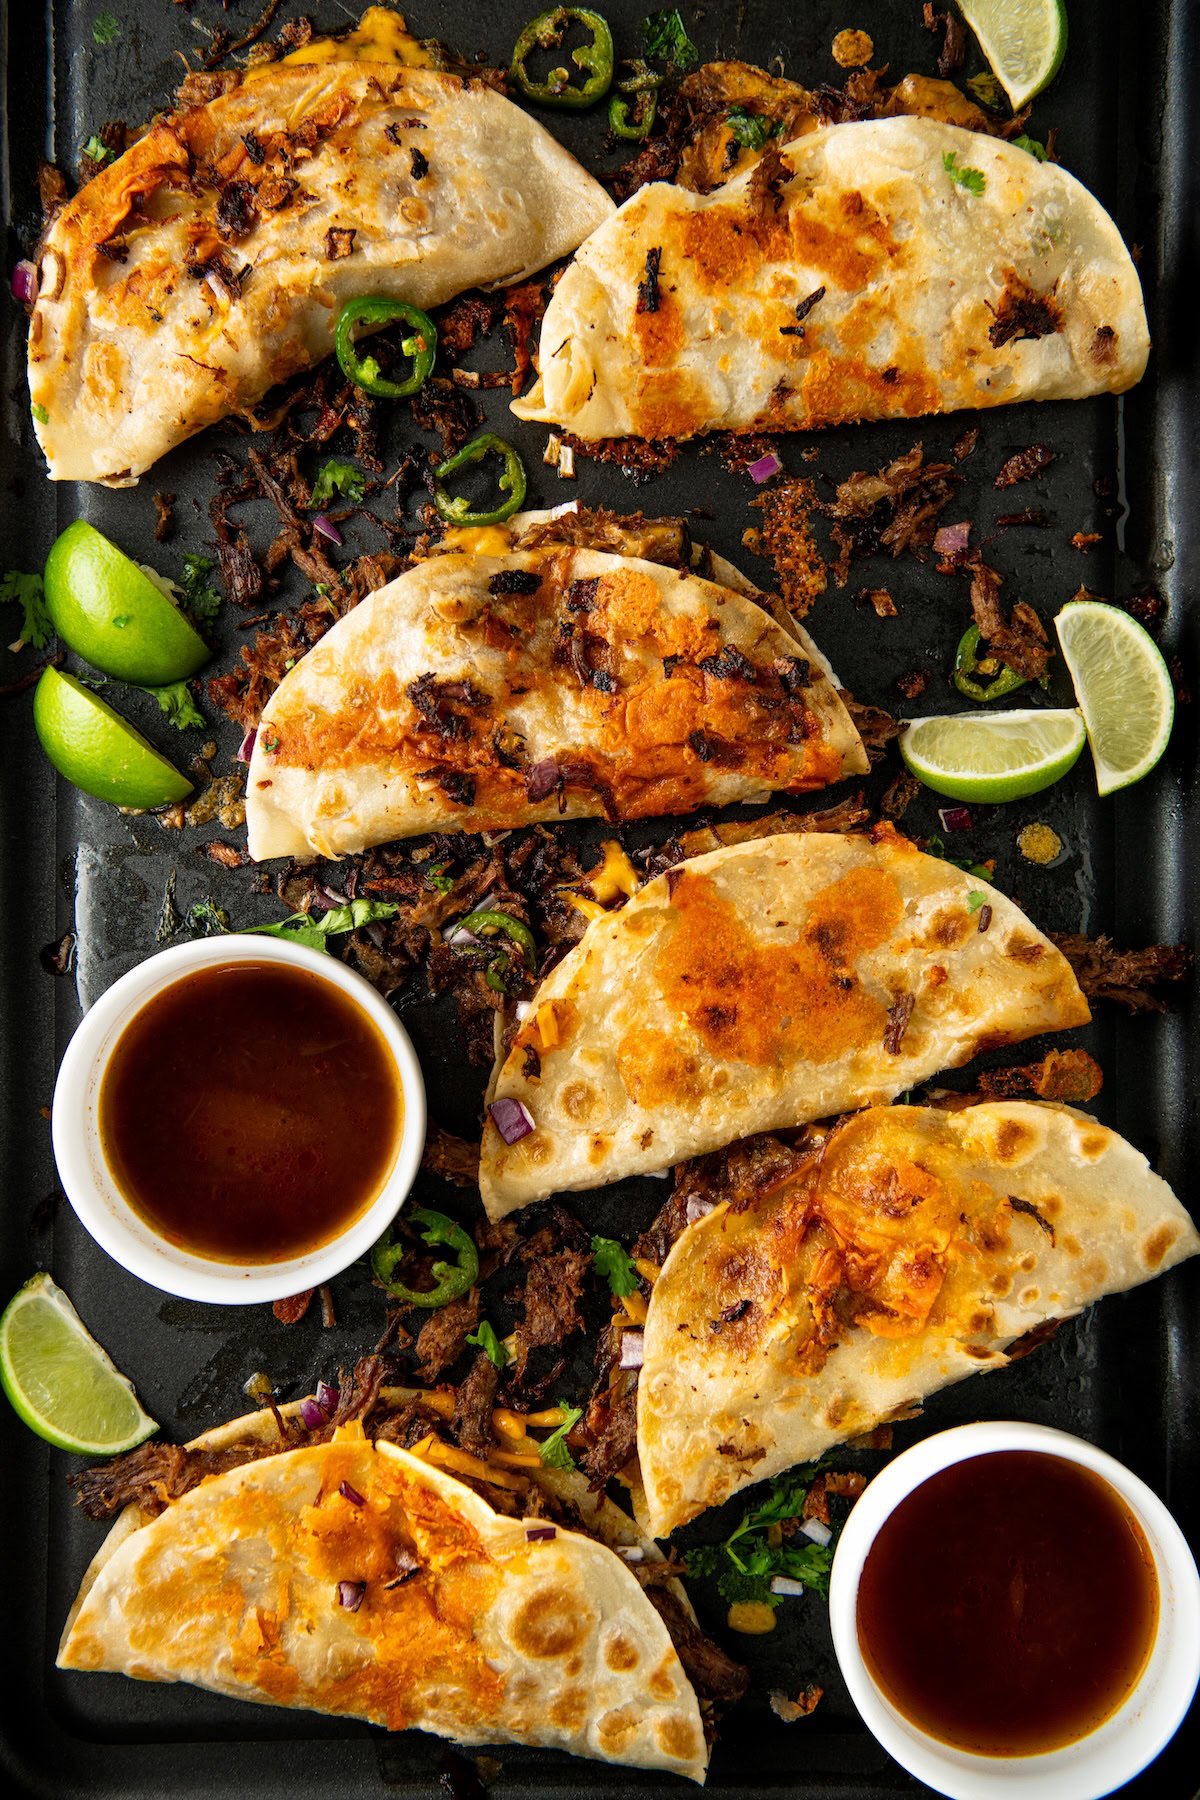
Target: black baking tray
{"points": [[1122, 1376]]}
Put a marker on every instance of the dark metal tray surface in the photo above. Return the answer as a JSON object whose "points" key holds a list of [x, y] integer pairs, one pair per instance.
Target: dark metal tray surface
{"points": [[1121, 1376]]}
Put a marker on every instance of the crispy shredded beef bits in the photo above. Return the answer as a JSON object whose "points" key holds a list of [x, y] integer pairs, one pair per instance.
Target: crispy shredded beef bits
{"points": [[1130, 977], [1019, 641]]}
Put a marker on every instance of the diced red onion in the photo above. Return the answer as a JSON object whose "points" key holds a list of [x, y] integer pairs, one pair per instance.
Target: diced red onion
{"points": [[512, 1120], [633, 1349], [952, 540], [406, 1566], [956, 818], [25, 283], [783, 1584], [350, 1493], [541, 779], [820, 1534], [455, 935], [350, 1594], [631, 1553], [568, 506], [333, 896], [764, 468], [246, 748], [324, 526], [540, 1534], [327, 1397], [698, 1208], [314, 1416]]}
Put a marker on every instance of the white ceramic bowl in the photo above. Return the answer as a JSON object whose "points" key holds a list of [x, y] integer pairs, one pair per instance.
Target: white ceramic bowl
{"points": [[1131, 1737], [97, 1200]]}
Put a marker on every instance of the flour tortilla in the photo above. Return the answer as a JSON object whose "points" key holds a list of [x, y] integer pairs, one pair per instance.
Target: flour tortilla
{"points": [[912, 266], [750, 989], [898, 1261], [202, 312], [495, 1638], [445, 702]]}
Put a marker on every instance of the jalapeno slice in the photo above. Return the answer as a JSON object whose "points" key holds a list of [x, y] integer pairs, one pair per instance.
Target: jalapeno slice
{"points": [[452, 1280], [456, 508], [968, 664], [420, 344], [595, 59], [492, 921], [632, 109]]}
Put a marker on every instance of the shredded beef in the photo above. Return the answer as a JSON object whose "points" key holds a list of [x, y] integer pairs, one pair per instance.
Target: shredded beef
{"points": [[741, 1174], [358, 1392], [441, 407], [473, 1403], [442, 1339], [660, 540], [893, 510], [953, 51], [1019, 641], [655, 1243], [1023, 465], [1129, 977], [639, 458], [899, 795], [291, 1310], [1022, 313], [713, 1674], [453, 1158], [612, 1425], [874, 726], [154, 1474], [553, 1288]]}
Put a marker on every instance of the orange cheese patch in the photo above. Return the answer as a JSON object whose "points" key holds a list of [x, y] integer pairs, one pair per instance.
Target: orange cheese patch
{"points": [[761, 1003]]}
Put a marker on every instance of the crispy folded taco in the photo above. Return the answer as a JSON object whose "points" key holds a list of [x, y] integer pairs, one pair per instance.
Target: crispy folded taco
{"points": [[352, 1577], [210, 260], [485, 691], [881, 269], [910, 1248], [756, 987]]}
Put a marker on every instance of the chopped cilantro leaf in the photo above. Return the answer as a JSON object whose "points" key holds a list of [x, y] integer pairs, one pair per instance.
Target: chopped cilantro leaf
{"points": [[437, 878], [105, 29], [553, 1450], [974, 900], [485, 1339], [751, 130], [98, 150], [25, 591], [973, 180], [747, 1562], [176, 701], [313, 929], [666, 38], [616, 1266], [206, 919], [1031, 145], [201, 599], [335, 478], [40, 414]]}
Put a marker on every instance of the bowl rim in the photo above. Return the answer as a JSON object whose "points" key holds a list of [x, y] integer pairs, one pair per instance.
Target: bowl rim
{"points": [[1124, 1743], [94, 1196]]}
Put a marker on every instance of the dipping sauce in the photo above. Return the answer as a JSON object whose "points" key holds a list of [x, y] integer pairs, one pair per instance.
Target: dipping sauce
{"points": [[1008, 1604], [250, 1112]]}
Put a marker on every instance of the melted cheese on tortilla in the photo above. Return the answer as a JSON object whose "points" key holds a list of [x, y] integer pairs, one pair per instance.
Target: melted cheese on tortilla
{"points": [[381, 35]]}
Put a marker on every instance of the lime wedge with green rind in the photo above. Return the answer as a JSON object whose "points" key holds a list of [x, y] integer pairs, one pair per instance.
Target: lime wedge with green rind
{"points": [[1024, 41], [110, 612], [1123, 687], [993, 756], [97, 750], [60, 1381]]}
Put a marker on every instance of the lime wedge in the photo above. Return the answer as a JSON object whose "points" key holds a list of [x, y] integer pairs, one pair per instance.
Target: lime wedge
{"points": [[1023, 40], [109, 611], [97, 750], [992, 756], [1123, 687], [59, 1380]]}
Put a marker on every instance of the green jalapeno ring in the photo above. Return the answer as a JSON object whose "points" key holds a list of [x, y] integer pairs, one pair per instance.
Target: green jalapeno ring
{"points": [[492, 921], [420, 344], [636, 124], [596, 59], [967, 663], [456, 509], [452, 1280]]}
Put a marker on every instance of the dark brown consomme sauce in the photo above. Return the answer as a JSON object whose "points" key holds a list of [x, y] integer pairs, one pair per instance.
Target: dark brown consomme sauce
{"points": [[249, 1112], [1009, 1603]]}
